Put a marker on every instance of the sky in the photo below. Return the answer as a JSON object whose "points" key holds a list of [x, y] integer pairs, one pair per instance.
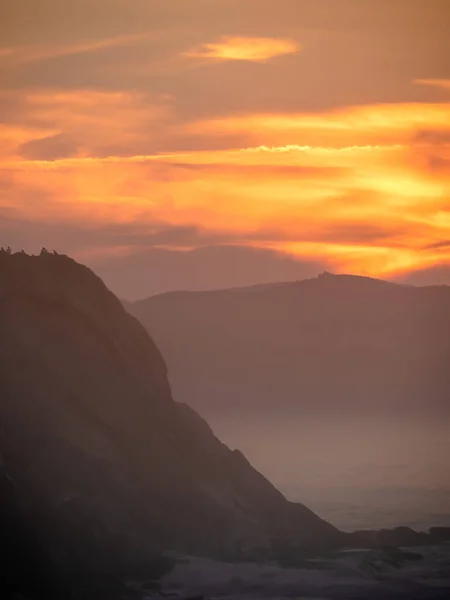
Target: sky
{"points": [[206, 143]]}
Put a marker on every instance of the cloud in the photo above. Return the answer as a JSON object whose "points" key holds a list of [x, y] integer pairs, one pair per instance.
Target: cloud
{"points": [[121, 142], [436, 274], [443, 84], [143, 274], [366, 125], [440, 244], [53, 147], [347, 199], [344, 44], [431, 151], [106, 123], [96, 119], [363, 233], [98, 238], [246, 48], [31, 54], [436, 138], [323, 150]]}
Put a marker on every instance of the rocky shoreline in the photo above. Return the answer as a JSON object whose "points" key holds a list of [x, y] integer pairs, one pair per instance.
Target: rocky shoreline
{"points": [[420, 573]]}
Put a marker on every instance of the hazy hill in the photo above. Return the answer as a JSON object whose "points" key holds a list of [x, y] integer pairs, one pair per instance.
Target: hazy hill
{"points": [[100, 468], [334, 343]]}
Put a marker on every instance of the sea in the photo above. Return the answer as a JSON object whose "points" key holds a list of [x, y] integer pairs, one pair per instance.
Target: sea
{"points": [[361, 473]]}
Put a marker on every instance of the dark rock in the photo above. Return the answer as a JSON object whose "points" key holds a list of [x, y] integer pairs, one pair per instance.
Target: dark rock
{"points": [[105, 470], [389, 538], [440, 534], [151, 586], [399, 555], [400, 536]]}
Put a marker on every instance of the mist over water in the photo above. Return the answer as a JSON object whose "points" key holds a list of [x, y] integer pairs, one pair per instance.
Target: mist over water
{"points": [[357, 473]]}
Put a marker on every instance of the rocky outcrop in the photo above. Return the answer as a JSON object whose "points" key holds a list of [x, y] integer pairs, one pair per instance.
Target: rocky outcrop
{"points": [[102, 469], [399, 536]]}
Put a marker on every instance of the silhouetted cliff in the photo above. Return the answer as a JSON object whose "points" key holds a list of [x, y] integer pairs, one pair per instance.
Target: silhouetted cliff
{"points": [[101, 469]]}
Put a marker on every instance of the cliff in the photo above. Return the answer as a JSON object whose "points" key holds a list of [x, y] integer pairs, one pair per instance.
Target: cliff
{"points": [[101, 468]]}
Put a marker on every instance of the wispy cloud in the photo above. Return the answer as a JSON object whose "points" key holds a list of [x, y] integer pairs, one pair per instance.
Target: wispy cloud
{"points": [[245, 48], [350, 126], [290, 148], [443, 84], [30, 54]]}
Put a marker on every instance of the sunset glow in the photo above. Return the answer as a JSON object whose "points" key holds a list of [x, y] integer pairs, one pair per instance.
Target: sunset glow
{"points": [[291, 155], [241, 48]]}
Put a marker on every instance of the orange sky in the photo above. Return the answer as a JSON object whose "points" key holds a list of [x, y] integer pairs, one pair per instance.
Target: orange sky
{"points": [[318, 131]]}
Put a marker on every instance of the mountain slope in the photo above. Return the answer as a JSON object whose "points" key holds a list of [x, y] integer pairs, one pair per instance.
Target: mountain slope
{"points": [[99, 464], [334, 343]]}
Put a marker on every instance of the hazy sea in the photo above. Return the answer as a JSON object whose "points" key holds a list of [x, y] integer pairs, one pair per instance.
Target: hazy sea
{"points": [[351, 506], [360, 473]]}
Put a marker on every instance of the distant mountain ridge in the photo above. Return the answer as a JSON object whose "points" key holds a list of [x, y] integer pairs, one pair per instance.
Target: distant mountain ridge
{"points": [[335, 342]]}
